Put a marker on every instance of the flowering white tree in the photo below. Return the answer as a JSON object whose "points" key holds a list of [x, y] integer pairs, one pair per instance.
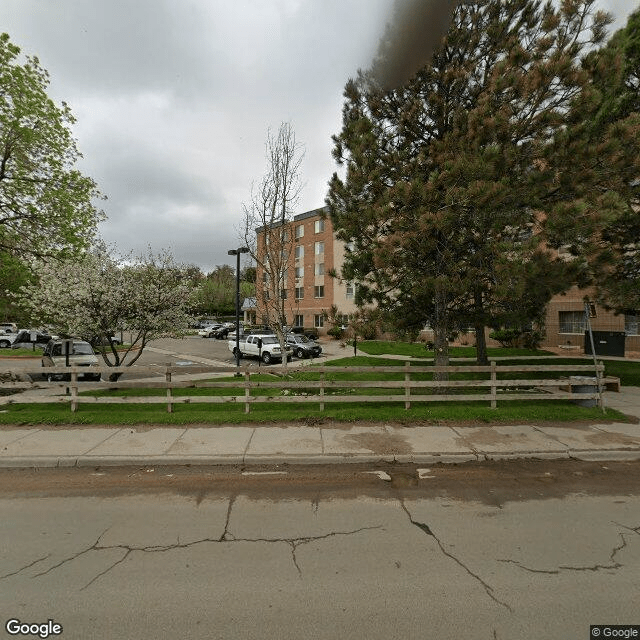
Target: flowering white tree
{"points": [[98, 293]]}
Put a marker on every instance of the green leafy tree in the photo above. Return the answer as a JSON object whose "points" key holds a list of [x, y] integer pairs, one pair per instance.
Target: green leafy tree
{"points": [[14, 274], [216, 293], [445, 176], [45, 202]]}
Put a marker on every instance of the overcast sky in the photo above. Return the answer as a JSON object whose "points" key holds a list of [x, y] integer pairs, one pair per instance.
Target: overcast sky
{"points": [[173, 100]]}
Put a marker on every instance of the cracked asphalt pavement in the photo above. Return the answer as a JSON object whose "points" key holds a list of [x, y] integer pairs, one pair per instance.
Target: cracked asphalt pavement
{"points": [[518, 549]]}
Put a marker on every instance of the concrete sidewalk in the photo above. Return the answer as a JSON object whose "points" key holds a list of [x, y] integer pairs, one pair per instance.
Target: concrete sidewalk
{"points": [[327, 444]]}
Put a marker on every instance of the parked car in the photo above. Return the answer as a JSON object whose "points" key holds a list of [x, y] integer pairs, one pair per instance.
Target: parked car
{"points": [[209, 330], [24, 339], [81, 354], [303, 347], [312, 334], [7, 339], [8, 327], [221, 332]]}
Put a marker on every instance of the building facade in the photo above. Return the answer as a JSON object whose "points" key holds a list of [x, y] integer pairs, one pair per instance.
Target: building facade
{"points": [[314, 260], [314, 253]]}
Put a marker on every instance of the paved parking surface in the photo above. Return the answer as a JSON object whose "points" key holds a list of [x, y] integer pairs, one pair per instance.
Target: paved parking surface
{"points": [[190, 350]]}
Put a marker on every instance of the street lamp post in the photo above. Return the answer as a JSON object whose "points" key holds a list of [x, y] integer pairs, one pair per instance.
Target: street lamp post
{"points": [[237, 252]]}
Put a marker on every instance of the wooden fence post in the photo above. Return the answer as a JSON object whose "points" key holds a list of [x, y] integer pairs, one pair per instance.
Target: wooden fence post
{"points": [[321, 391], [494, 391], [168, 380], [247, 391], [74, 391], [407, 385]]}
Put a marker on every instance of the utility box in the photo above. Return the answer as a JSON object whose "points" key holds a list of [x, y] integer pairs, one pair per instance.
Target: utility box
{"points": [[607, 343]]}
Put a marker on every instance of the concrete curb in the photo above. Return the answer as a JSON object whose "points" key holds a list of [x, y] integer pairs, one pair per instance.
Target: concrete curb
{"points": [[611, 455], [41, 462]]}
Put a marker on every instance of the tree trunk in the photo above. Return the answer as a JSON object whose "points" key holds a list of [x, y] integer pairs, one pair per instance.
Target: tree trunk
{"points": [[479, 327], [440, 340], [481, 344], [441, 349]]}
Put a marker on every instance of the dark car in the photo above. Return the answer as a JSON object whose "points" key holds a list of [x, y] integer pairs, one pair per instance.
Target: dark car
{"points": [[25, 340], [303, 347]]}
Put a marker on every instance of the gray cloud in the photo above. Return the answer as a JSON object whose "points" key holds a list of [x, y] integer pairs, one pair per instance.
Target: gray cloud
{"points": [[174, 98]]}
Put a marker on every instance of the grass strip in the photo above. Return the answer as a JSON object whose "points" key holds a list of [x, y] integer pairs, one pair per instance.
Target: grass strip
{"points": [[419, 350], [512, 412]]}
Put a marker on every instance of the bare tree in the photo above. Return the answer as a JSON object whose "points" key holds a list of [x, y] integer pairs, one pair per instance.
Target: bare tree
{"points": [[266, 231]]}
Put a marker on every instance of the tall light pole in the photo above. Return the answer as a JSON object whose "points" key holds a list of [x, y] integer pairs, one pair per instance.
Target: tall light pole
{"points": [[237, 252]]}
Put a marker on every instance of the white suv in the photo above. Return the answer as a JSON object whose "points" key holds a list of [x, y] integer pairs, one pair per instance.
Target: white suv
{"points": [[81, 354]]}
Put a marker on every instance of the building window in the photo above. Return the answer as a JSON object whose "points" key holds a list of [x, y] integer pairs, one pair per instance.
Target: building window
{"points": [[319, 291], [351, 290], [631, 324], [298, 320], [300, 231], [299, 272], [299, 252], [319, 248], [283, 294], [319, 268], [572, 322], [318, 321], [299, 293], [319, 226]]}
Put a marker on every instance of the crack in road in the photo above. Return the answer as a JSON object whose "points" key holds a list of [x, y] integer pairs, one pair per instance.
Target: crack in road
{"points": [[624, 526], [27, 566], [614, 565], [223, 537], [226, 537], [426, 529]]}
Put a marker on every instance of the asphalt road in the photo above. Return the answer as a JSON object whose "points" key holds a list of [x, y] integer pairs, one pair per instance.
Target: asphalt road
{"points": [[505, 550]]}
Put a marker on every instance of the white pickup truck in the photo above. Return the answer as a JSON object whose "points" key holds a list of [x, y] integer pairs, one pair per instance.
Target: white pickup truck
{"points": [[265, 347]]}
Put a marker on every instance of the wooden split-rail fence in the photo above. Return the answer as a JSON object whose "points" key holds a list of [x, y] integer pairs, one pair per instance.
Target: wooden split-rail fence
{"points": [[501, 383]]}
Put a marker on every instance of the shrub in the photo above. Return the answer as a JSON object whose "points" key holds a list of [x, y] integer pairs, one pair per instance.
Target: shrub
{"points": [[508, 338], [336, 332]]}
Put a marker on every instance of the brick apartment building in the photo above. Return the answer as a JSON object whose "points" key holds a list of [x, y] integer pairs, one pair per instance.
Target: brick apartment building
{"points": [[311, 291]]}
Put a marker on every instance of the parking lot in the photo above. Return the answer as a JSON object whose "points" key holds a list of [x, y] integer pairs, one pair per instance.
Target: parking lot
{"points": [[190, 350], [177, 350]]}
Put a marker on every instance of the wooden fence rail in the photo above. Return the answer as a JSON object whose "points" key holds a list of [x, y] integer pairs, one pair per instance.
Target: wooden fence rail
{"points": [[410, 385]]}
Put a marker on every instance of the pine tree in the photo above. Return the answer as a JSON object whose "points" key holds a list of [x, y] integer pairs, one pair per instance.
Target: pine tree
{"points": [[447, 177], [598, 157]]}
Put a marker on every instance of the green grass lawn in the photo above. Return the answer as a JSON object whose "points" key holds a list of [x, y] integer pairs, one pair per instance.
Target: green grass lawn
{"points": [[628, 372], [418, 350], [514, 412], [9, 353]]}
